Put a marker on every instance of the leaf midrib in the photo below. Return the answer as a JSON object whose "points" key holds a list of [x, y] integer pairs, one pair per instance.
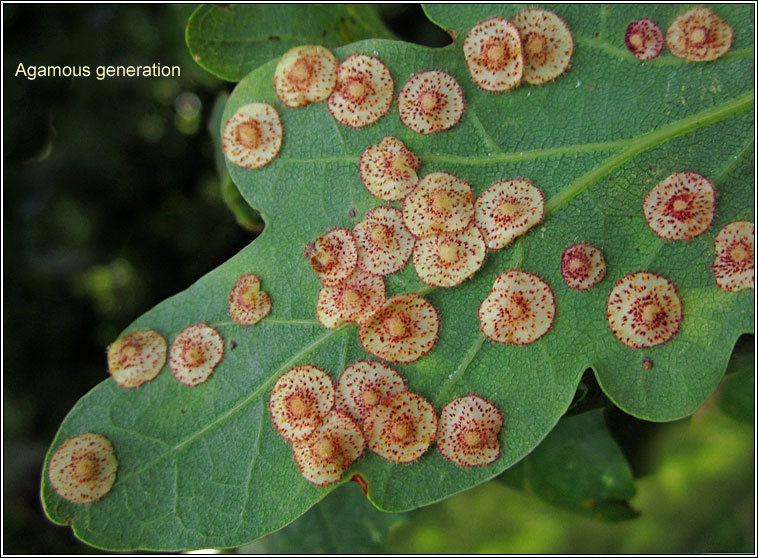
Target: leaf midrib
{"points": [[628, 147], [647, 141], [239, 406]]}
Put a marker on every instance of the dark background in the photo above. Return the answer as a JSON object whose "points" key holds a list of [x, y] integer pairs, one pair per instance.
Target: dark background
{"points": [[112, 203]]}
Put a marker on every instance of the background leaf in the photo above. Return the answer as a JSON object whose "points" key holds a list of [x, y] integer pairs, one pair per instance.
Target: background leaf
{"points": [[342, 523], [579, 467], [736, 394], [230, 41], [686, 505], [203, 466]]}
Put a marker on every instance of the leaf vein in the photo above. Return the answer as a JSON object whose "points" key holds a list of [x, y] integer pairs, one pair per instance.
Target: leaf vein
{"points": [[231, 412], [664, 60], [307, 350], [485, 134], [458, 372], [250, 471], [648, 141]]}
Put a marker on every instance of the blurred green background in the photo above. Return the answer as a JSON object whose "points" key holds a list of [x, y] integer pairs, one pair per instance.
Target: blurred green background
{"points": [[112, 203]]}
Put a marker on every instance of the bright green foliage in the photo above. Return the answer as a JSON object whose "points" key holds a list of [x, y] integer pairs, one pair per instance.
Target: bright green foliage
{"points": [[204, 467], [230, 41], [579, 467], [342, 523]]}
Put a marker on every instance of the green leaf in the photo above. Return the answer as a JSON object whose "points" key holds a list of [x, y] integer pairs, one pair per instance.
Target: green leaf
{"points": [[203, 466], [579, 467], [230, 41], [342, 523]]}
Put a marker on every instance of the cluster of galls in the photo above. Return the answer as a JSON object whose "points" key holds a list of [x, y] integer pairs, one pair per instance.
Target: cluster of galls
{"points": [[329, 426], [448, 234], [449, 231], [695, 35], [399, 329], [535, 46], [325, 442], [520, 307], [429, 102], [359, 91]]}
